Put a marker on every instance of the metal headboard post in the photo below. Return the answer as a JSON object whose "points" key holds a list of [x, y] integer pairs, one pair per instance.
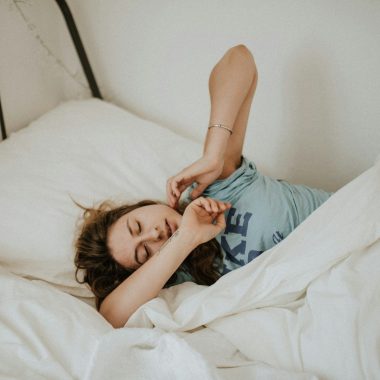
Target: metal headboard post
{"points": [[2, 124], [65, 10], [79, 48]]}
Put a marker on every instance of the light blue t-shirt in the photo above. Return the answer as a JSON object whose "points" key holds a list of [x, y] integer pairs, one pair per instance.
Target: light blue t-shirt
{"points": [[264, 211]]}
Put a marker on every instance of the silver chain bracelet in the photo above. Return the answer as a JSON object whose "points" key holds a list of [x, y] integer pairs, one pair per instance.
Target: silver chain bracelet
{"points": [[221, 126]]}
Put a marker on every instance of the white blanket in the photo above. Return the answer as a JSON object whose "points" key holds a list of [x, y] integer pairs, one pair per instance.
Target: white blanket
{"points": [[307, 308]]}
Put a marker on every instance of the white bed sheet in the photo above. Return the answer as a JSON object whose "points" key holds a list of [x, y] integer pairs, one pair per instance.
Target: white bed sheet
{"points": [[306, 309]]}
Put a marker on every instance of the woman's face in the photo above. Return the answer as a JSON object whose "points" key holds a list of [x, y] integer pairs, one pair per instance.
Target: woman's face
{"points": [[136, 236]]}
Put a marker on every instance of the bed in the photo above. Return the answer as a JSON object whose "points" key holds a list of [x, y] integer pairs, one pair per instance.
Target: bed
{"points": [[306, 309]]}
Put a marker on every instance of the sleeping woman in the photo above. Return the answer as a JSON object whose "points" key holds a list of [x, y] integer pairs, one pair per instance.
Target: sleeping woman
{"points": [[229, 213]]}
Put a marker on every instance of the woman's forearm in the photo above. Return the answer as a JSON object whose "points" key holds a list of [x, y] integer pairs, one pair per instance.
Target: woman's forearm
{"points": [[146, 282], [229, 84]]}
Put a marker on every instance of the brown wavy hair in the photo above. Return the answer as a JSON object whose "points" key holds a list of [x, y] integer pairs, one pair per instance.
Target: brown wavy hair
{"points": [[103, 273]]}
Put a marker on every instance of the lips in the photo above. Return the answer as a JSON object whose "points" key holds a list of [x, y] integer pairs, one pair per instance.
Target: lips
{"points": [[169, 231]]}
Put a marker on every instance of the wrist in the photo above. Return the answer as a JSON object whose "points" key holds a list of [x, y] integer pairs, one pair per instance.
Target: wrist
{"points": [[214, 161], [187, 238], [216, 143]]}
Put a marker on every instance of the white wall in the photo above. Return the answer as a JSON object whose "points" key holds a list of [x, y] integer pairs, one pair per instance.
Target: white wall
{"points": [[315, 115], [33, 39]]}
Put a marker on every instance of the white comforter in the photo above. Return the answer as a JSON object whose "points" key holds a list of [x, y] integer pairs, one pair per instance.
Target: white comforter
{"points": [[308, 308]]}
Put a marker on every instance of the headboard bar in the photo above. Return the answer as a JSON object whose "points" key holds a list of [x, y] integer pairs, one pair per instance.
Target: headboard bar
{"points": [[2, 124], [79, 48], [65, 10]]}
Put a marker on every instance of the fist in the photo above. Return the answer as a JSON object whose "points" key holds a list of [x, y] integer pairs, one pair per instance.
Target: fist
{"points": [[204, 218]]}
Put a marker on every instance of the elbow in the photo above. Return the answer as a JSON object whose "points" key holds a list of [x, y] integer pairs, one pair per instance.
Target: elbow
{"points": [[241, 48], [244, 56], [111, 316], [241, 51]]}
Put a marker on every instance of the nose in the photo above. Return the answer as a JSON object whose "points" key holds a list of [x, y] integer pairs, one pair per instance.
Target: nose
{"points": [[153, 237], [153, 234]]}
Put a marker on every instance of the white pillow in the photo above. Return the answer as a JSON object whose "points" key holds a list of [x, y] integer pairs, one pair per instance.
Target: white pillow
{"points": [[91, 150]]}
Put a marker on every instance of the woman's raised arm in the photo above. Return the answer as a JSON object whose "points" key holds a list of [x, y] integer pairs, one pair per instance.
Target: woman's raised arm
{"points": [[232, 85]]}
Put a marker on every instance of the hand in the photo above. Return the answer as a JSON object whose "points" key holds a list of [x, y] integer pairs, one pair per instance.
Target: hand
{"points": [[203, 171], [199, 217]]}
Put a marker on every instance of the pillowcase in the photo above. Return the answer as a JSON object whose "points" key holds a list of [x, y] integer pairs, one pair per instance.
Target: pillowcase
{"points": [[89, 150]]}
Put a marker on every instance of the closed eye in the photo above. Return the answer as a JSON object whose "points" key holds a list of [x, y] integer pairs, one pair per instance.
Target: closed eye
{"points": [[145, 246], [146, 250]]}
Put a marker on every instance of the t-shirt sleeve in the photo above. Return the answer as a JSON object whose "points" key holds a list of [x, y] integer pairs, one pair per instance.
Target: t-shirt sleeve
{"points": [[229, 189], [182, 277]]}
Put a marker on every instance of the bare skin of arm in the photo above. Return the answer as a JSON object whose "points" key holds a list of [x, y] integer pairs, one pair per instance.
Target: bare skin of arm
{"points": [[232, 85], [146, 282]]}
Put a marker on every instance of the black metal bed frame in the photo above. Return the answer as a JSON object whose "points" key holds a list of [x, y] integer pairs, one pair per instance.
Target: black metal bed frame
{"points": [[65, 10]]}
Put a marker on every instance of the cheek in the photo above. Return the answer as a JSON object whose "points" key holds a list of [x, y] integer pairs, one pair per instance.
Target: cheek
{"points": [[179, 219], [156, 246], [175, 215]]}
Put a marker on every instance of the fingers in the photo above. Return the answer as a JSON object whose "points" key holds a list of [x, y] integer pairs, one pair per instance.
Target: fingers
{"points": [[212, 206], [205, 217], [220, 221], [175, 187], [198, 191], [215, 208], [172, 192]]}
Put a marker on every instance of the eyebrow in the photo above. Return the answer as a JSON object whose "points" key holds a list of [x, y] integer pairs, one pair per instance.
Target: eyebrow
{"points": [[130, 231]]}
